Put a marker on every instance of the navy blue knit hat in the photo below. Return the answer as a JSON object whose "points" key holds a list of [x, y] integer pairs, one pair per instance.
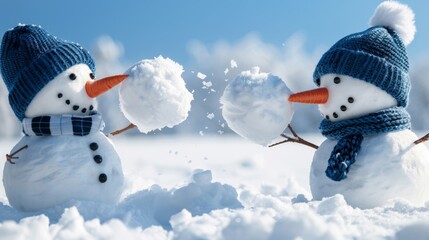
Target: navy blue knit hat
{"points": [[376, 55], [30, 57]]}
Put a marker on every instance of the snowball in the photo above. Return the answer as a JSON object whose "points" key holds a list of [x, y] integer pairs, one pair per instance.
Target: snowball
{"points": [[233, 63], [207, 84], [154, 95], [255, 106], [396, 16], [201, 76], [210, 116]]}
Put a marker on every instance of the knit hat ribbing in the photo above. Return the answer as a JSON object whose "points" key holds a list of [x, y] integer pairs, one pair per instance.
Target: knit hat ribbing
{"points": [[30, 58], [376, 55]]}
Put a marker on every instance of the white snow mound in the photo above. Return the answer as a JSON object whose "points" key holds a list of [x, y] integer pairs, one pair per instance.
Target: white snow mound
{"points": [[154, 95], [255, 106], [396, 16]]}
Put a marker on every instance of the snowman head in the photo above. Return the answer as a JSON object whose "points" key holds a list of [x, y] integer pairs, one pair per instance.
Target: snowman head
{"points": [[71, 92], [348, 97], [366, 71], [46, 75]]}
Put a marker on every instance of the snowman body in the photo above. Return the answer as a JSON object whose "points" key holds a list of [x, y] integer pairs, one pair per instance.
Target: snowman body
{"points": [[388, 166], [55, 169]]}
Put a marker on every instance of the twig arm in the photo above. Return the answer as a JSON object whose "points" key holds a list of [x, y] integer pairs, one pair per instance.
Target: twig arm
{"points": [[295, 139], [11, 156], [288, 139], [131, 126], [292, 131], [422, 139]]}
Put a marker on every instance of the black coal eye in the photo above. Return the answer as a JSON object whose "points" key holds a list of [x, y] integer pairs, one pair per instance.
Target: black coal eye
{"points": [[337, 80], [72, 76], [92, 75], [318, 82]]}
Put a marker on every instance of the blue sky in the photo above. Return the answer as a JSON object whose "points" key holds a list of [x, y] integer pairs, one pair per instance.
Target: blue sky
{"points": [[150, 28]]}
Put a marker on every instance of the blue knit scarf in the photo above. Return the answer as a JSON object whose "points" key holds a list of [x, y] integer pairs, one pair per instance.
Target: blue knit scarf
{"points": [[350, 134]]}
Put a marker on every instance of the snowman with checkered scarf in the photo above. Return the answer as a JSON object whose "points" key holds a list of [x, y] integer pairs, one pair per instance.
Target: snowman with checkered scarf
{"points": [[63, 155]]}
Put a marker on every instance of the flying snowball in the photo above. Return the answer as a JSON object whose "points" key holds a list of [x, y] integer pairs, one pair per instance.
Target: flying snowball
{"points": [[154, 95], [255, 106]]}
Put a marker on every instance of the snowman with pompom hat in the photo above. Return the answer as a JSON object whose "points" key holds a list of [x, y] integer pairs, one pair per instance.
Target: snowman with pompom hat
{"points": [[370, 155], [64, 154]]}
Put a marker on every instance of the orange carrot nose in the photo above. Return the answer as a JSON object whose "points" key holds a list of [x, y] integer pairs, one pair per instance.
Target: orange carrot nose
{"points": [[96, 88], [316, 96]]}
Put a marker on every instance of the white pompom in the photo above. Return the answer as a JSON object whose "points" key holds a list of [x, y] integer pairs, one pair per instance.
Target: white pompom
{"points": [[255, 106], [396, 16], [154, 95]]}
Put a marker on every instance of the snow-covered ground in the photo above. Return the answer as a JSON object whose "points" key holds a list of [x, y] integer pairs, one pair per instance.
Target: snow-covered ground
{"points": [[214, 187]]}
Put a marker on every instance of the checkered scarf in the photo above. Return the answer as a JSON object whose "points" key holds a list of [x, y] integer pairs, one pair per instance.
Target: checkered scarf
{"points": [[56, 125]]}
